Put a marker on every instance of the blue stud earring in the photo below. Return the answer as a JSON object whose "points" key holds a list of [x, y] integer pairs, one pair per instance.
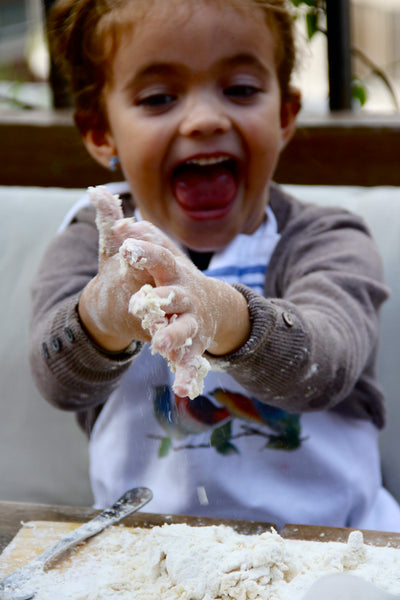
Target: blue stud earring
{"points": [[113, 162]]}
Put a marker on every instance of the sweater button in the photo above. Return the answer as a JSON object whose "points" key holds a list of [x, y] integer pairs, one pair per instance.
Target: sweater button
{"points": [[69, 334], [288, 319], [56, 344]]}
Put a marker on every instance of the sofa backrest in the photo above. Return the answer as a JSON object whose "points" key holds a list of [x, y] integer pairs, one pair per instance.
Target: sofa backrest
{"points": [[43, 453]]}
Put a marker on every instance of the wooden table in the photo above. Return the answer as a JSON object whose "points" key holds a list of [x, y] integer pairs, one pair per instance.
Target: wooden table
{"points": [[12, 514]]}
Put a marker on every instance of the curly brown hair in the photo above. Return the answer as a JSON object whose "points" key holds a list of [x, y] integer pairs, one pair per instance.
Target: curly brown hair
{"points": [[84, 34]]}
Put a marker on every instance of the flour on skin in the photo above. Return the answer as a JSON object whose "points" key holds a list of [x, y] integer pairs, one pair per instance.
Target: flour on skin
{"points": [[108, 211]]}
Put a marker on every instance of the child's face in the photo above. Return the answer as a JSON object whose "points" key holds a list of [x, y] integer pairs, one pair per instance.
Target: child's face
{"points": [[196, 118]]}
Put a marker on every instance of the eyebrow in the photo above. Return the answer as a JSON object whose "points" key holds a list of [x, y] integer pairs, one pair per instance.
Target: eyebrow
{"points": [[165, 69], [247, 60], [156, 69]]}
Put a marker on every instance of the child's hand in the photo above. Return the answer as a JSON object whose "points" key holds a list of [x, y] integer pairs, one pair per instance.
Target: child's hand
{"points": [[186, 312], [103, 305]]}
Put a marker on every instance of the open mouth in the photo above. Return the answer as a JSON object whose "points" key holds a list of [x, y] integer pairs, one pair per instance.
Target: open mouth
{"points": [[206, 184]]}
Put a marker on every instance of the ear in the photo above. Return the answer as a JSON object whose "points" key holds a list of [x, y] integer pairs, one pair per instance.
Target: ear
{"points": [[100, 144], [290, 107]]}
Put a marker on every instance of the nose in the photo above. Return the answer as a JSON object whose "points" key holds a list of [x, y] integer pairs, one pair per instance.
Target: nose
{"points": [[204, 116]]}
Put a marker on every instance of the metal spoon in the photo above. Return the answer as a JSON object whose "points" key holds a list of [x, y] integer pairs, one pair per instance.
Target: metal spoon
{"points": [[11, 588], [343, 586]]}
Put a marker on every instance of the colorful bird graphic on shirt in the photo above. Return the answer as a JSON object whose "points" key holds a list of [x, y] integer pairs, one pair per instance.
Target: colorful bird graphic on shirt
{"points": [[181, 417]]}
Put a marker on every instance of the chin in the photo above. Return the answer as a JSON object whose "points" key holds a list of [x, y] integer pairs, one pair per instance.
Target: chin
{"points": [[207, 244], [209, 235]]}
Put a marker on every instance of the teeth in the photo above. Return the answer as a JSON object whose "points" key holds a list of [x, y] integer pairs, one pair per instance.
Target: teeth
{"points": [[212, 160]]}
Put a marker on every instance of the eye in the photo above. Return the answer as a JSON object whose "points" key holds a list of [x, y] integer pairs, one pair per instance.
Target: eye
{"points": [[156, 100], [242, 91]]}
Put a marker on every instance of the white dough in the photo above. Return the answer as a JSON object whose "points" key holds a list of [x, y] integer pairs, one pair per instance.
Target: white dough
{"points": [[209, 563]]}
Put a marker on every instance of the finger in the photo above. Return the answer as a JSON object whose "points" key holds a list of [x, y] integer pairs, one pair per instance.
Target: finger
{"points": [[175, 340], [108, 212], [158, 261], [189, 376], [133, 254], [181, 346], [146, 231]]}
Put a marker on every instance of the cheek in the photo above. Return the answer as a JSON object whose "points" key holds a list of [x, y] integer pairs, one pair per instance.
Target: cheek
{"points": [[141, 163], [263, 134], [264, 153], [137, 139]]}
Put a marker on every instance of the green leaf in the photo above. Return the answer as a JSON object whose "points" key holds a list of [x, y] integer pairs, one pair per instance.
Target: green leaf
{"points": [[220, 435], [312, 24], [164, 447], [359, 91], [220, 439]]}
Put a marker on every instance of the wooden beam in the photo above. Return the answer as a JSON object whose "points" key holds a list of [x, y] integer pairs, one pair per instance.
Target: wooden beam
{"points": [[43, 148], [343, 150]]}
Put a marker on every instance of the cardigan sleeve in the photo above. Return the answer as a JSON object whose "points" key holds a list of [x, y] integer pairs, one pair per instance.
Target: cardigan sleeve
{"points": [[314, 335], [69, 369]]}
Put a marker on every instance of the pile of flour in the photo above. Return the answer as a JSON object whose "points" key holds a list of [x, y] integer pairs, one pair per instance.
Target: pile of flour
{"points": [[209, 563]]}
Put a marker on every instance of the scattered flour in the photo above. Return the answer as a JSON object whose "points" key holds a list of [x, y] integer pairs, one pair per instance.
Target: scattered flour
{"points": [[208, 563], [202, 495]]}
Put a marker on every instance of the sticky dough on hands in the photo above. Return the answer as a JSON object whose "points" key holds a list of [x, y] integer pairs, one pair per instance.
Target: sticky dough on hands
{"points": [[190, 368]]}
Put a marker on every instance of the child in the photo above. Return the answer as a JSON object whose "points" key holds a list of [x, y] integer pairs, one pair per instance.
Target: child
{"points": [[192, 98]]}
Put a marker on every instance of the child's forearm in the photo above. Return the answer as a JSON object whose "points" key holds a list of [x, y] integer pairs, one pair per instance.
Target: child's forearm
{"points": [[234, 325]]}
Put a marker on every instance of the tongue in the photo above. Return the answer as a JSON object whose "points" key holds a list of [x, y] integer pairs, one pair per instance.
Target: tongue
{"points": [[208, 187]]}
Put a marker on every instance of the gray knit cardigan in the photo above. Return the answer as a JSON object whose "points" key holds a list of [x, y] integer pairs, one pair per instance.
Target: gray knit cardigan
{"points": [[314, 333]]}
